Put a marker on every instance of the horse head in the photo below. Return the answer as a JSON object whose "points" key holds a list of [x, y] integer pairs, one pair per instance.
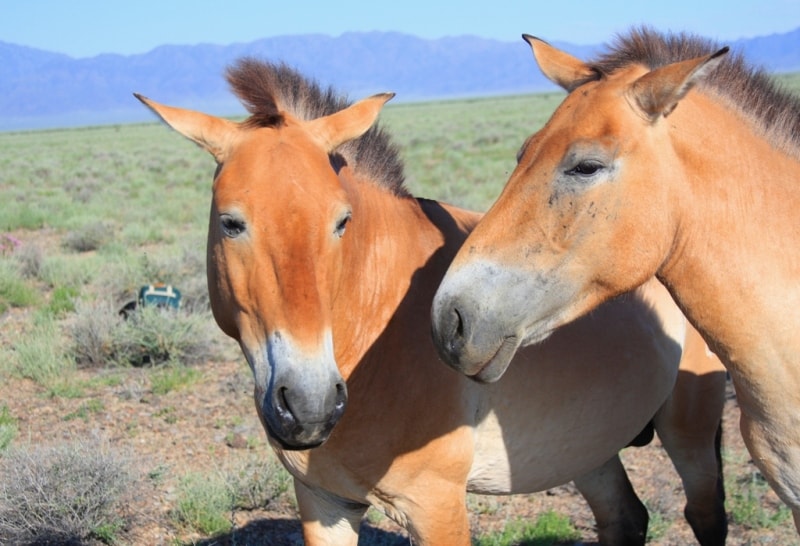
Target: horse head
{"points": [[563, 236], [278, 216]]}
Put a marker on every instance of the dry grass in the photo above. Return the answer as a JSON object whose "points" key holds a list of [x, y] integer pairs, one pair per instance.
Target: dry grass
{"points": [[63, 494]]}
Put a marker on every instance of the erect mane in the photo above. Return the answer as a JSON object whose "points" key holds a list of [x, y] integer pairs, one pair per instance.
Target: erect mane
{"points": [[759, 98], [267, 89]]}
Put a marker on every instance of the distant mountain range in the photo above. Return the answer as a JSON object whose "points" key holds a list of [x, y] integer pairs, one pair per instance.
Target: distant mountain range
{"points": [[40, 89]]}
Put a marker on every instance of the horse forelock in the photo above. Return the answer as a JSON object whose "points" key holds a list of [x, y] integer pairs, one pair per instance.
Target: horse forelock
{"points": [[748, 88], [268, 89]]}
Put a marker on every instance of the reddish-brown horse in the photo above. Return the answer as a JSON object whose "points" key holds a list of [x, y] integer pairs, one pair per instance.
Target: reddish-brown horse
{"points": [[323, 268], [668, 158]]}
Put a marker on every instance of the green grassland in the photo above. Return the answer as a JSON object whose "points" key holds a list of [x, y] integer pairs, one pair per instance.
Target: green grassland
{"points": [[463, 151]]}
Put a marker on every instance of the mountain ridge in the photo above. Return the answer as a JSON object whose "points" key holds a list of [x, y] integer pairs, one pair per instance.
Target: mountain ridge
{"points": [[43, 89]]}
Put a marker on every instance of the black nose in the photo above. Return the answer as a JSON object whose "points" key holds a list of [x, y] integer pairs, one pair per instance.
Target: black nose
{"points": [[300, 420]]}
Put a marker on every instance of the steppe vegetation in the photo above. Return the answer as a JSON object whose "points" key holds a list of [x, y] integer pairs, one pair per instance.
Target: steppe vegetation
{"points": [[142, 431]]}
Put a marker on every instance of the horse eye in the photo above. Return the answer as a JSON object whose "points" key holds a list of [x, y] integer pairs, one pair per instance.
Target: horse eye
{"points": [[231, 227], [585, 168], [341, 225]]}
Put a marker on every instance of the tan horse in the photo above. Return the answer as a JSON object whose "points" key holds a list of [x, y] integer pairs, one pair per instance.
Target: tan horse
{"points": [[666, 158], [323, 268]]}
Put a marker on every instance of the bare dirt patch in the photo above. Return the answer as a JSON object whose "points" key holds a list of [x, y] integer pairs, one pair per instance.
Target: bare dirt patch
{"points": [[211, 426]]}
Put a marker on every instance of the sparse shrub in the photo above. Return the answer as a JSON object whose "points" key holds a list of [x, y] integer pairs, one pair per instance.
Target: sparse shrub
{"points": [[22, 216], [139, 234], [191, 271], [62, 494], [82, 189], [153, 336], [62, 300], [89, 237], [119, 277], [8, 428], [14, 291], [149, 337], [39, 353], [68, 269], [29, 259], [182, 266], [90, 332], [260, 482], [204, 503]]}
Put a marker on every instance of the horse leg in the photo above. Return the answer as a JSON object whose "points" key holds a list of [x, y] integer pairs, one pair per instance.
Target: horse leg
{"points": [[769, 441], [689, 425], [435, 513], [327, 520], [620, 516]]}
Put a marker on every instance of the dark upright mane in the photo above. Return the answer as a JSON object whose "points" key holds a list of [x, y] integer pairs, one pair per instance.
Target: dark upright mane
{"points": [[266, 89], [759, 98]]}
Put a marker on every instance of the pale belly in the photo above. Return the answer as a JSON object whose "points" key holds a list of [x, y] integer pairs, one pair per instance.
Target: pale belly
{"points": [[571, 416]]}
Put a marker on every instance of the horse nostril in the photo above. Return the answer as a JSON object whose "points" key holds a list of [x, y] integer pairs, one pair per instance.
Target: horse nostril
{"points": [[454, 343], [282, 397], [459, 330], [282, 404], [341, 396]]}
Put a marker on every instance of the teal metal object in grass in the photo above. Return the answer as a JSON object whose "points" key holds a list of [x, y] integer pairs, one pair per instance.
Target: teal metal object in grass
{"points": [[159, 295]]}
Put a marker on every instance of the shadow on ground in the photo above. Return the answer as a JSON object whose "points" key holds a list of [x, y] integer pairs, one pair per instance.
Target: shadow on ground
{"points": [[287, 532]]}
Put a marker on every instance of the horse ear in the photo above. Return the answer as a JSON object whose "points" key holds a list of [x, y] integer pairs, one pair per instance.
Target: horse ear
{"points": [[216, 135], [347, 124], [657, 93], [558, 66]]}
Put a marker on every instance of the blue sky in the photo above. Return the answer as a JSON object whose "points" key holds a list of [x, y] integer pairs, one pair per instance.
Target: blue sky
{"points": [[84, 28]]}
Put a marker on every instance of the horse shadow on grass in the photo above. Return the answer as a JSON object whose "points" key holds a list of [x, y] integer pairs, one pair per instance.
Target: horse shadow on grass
{"points": [[288, 532]]}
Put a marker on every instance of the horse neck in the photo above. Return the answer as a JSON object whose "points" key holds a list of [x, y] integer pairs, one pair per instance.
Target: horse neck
{"points": [[390, 266], [737, 216]]}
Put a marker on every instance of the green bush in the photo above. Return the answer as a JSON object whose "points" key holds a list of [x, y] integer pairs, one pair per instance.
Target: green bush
{"points": [[68, 269], [8, 428], [549, 529], [744, 501], [62, 300], [40, 353], [22, 216], [204, 503], [260, 482], [14, 291]]}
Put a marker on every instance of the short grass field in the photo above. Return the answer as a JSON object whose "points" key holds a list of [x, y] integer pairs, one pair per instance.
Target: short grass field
{"points": [[99, 408]]}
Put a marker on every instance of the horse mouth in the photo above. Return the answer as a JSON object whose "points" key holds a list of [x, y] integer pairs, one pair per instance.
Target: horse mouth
{"points": [[288, 445], [497, 365]]}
